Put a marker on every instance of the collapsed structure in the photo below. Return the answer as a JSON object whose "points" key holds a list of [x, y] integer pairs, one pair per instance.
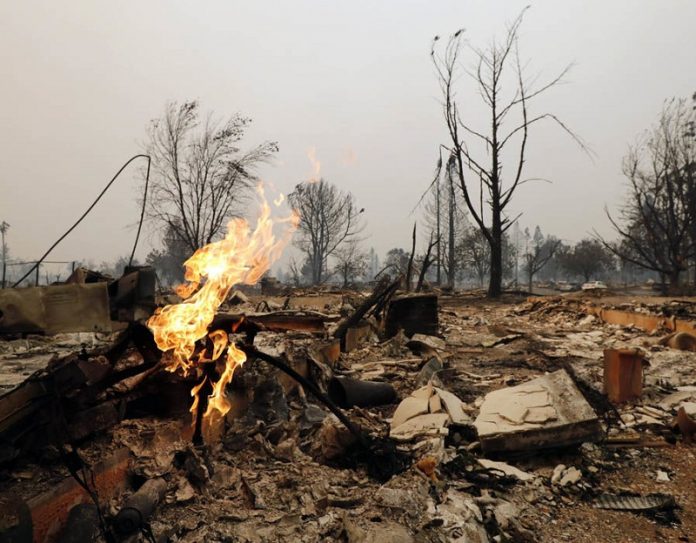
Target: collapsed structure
{"points": [[376, 416]]}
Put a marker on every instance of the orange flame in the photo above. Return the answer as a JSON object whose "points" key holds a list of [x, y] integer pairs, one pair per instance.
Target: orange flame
{"points": [[316, 165], [243, 256]]}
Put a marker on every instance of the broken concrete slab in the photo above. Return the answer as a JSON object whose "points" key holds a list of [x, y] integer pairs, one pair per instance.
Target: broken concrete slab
{"points": [[431, 341], [423, 401], [422, 425], [557, 473], [434, 404], [545, 412], [674, 400], [423, 392], [453, 406], [570, 476], [411, 500], [507, 469]]}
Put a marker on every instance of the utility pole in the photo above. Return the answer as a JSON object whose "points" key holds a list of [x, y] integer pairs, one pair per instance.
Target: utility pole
{"points": [[451, 270], [439, 238], [517, 252], [4, 226]]}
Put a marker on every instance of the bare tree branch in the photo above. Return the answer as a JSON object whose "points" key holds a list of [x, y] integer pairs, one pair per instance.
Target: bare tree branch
{"points": [[485, 172], [328, 219]]}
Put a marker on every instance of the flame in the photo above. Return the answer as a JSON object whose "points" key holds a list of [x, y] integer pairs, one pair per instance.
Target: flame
{"points": [[316, 165], [349, 157], [243, 256]]}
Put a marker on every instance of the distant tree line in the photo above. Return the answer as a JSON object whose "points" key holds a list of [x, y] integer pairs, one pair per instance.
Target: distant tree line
{"points": [[202, 177]]}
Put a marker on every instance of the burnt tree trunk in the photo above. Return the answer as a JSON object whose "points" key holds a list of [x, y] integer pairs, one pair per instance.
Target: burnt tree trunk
{"points": [[409, 269], [674, 278], [452, 266], [496, 279]]}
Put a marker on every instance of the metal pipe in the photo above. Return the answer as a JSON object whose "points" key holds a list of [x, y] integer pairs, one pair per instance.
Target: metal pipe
{"points": [[347, 392], [252, 351], [139, 507], [209, 375]]}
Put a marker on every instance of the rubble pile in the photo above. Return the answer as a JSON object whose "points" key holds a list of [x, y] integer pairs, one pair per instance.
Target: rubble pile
{"points": [[475, 421]]}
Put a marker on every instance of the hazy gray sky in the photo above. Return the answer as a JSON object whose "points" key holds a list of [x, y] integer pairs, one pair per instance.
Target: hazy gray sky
{"points": [[81, 80]]}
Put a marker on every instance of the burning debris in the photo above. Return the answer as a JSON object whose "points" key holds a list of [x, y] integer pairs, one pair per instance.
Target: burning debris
{"points": [[243, 256], [217, 420]]}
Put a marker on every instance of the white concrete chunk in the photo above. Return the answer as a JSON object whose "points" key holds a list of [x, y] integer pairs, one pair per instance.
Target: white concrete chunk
{"points": [[429, 424], [435, 404], [423, 392], [453, 406], [571, 476], [408, 408], [507, 469], [430, 341], [548, 411]]}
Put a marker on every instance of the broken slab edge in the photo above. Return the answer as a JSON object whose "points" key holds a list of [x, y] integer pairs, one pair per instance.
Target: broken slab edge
{"points": [[565, 435]]}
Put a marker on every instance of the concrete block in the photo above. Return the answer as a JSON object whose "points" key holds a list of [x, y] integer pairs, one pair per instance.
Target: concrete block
{"points": [[545, 412]]}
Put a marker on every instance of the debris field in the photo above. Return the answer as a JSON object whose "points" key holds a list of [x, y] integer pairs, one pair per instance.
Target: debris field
{"points": [[411, 417]]}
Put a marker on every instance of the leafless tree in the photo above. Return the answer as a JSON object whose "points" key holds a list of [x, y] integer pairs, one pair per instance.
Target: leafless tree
{"points": [[475, 254], [587, 258], [199, 173], [411, 257], [168, 259], [445, 218], [396, 261], [486, 193], [425, 263], [295, 272], [539, 252], [328, 218], [657, 226], [351, 262]]}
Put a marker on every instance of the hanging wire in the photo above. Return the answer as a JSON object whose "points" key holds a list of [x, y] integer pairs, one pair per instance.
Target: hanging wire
{"points": [[142, 210], [108, 185]]}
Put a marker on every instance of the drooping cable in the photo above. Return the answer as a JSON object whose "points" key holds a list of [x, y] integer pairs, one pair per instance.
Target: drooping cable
{"points": [[142, 211], [108, 185]]}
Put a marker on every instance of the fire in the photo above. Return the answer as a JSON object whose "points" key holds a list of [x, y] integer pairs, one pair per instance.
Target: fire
{"points": [[241, 257], [316, 165]]}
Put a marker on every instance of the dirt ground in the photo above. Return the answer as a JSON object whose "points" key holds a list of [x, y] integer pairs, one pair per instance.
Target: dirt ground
{"points": [[579, 521], [571, 517], [268, 478]]}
